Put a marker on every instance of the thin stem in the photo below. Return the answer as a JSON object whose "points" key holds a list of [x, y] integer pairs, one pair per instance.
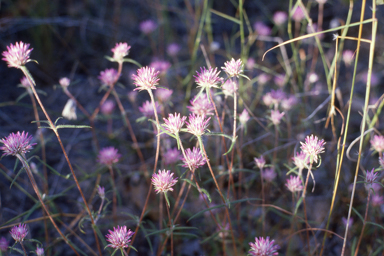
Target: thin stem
{"points": [[22, 246], [305, 207], [114, 198], [170, 228], [365, 221]]}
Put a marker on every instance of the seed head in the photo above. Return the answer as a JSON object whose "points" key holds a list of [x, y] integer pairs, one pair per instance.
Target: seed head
{"points": [[233, 67], [194, 158], [18, 233], [163, 181], [263, 247], [108, 76], [17, 55], [197, 124], [174, 123], [294, 184], [108, 156], [120, 51], [119, 238], [146, 79], [16, 143], [207, 78], [312, 148]]}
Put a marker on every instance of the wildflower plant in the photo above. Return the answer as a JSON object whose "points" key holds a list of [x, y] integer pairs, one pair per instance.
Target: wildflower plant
{"points": [[163, 182], [263, 247], [119, 239]]}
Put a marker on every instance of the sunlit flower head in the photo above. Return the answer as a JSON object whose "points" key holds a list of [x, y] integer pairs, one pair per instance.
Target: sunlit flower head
{"points": [[148, 26], [294, 184], [194, 158], [244, 117], [301, 160], [377, 143], [280, 17], [197, 125], [3, 244], [269, 174], [173, 49], [163, 181], [108, 156], [107, 107], [276, 116], [229, 87], [260, 162], [120, 51], [119, 238], [147, 109], [201, 106], [312, 147], [163, 95], [174, 123], [171, 156], [146, 79], [233, 67], [262, 29], [39, 251], [16, 143], [263, 247], [19, 232], [17, 55], [207, 78], [64, 82], [108, 76]]}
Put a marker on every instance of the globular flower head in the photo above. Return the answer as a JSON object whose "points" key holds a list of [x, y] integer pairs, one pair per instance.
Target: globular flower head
{"points": [[263, 78], [229, 87], [201, 106], [197, 124], [280, 17], [277, 96], [276, 116], [173, 49], [298, 14], [377, 200], [370, 178], [148, 26], [17, 55], [301, 160], [108, 76], [19, 232], [163, 95], [163, 181], [288, 102], [108, 156], [39, 251], [146, 79], [25, 82], [174, 123], [171, 156], [108, 107], [101, 192], [262, 29], [233, 67], [294, 184], [244, 117], [147, 109], [263, 247], [16, 143], [348, 57], [194, 158], [207, 78], [64, 82], [260, 162], [161, 65], [119, 238], [377, 143], [312, 148], [279, 80], [269, 174], [3, 244], [120, 51]]}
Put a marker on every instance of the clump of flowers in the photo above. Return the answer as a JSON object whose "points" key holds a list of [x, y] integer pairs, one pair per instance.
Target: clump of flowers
{"points": [[193, 158], [312, 147], [263, 247], [201, 106], [163, 181], [233, 68], [108, 156], [377, 143], [19, 232], [119, 238], [174, 123], [120, 51], [16, 144], [17, 55], [108, 76], [146, 79], [294, 184], [207, 78], [197, 124]]}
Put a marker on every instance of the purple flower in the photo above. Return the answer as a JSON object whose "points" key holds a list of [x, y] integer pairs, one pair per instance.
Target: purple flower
{"points": [[147, 109], [250, 63], [3, 244], [201, 106], [101, 192], [119, 238], [263, 247], [244, 117], [39, 251], [229, 88], [377, 200], [17, 55], [16, 144], [312, 148], [277, 96], [148, 26], [263, 78], [18, 233], [173, 49], [197, 124], [289, 102], [163, 181], [163, 95], [194, 158], [276, 116], [25, 82], [279, 18], [120, 51], [64, 82], [108, 107], [260, 162], [370, 178], [108, 76], [146, 79], [160, 65], [279, 80], [294, 184], [377, 143], [174, 123], [344, 220], [171, 156], [108, 156], [262, 29], [298, 14], [301, 160], [207, 78], [269, 174], [233, 67]]}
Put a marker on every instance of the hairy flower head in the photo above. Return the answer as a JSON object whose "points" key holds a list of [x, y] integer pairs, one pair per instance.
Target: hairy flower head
{"points": [[108, 156], [19, 232], [207, 78], [201, 106], [197, 124], [119, 238], [108, 76], [233, 67], [294, 184], [312, 147], [17, 55], [120, 51], [263, 247], [146, 79], [147, 109], [174, 123], [16, 143], [194, 158], [163, 181], [377, 143]]}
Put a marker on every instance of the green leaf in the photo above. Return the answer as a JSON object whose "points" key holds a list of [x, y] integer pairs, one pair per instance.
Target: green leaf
{"points": [[72, 126], [374, 224], [358, 214], [189, 182], [202, 190], [185, 234], [132, 61], [100, 235], [53, 170], [298, 204], [225, 16]]}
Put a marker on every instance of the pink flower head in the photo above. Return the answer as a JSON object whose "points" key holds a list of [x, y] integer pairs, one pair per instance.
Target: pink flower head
{"points": [[163, 94], [146, 79], [160, 65], [277, 96], [260, 162], [18, 233], [25, 82], [64, 82], [377, 200], [148, 26], [101, 192], [207, 78], [294, 184], [163, 181], [377, 143], [171, 156], [120, 51], [3, 244], [174, 123], [279, 80], [229, 88], [280, 17], [194, 158], [301, 160], [298, 15], [263, 78], [119, 238], [39, 251], [233, 67], [108, 156], [16, 143], [312, 148], [197, 124], [244, 117], [344, 220], [201, 106], [276, 116], [147, 109], [108, 76], [132, 95], [267, 99], [348, 57], [288, 102], [269, 174], [263, 247], [250, 63], [173, 49], [108, 107], [17, 55], [370, 178], [262, 29]]}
